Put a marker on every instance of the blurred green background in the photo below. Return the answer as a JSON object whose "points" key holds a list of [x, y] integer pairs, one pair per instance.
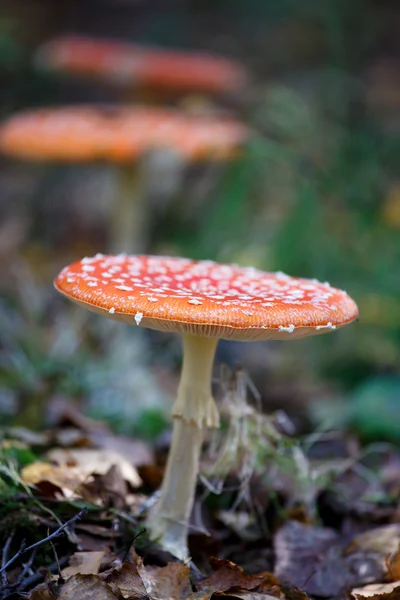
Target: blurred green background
{"points": [[316, 193]]}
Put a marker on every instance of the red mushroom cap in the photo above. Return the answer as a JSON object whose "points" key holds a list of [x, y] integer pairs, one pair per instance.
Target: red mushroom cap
{"points": [[205, 298], [118, 134], [130, 64]]}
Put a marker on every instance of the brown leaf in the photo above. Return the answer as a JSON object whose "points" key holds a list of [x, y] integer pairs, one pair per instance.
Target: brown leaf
{"points": [[127, 581], [65, 479], [42, 592], [93, 461], [378, 591], [86, 587], [114, 487], [135, 580], [393, 564], [171, 581], [274, 587], [85, 563], [228, 577]]}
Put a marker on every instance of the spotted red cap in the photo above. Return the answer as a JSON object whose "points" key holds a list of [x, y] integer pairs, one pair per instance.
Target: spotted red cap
{"points": [[118, 134], [205, 298], [129, 65]]}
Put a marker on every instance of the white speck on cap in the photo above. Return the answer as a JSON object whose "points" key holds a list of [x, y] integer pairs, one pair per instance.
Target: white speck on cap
{"points": [[138, 317], [327, 326], [112, 311], [194, 301], [289, 329]]}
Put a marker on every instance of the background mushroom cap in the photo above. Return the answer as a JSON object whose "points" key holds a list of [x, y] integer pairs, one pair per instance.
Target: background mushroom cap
{"points": [[130, 64], [118, 134], [205, 298]]}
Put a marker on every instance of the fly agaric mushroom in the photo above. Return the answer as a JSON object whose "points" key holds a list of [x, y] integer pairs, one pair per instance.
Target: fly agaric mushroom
{"points": [[120, 135], [138, 66], [203, 301]]}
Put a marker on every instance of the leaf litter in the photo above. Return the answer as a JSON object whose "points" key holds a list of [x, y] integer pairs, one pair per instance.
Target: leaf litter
{"points": [[286, 517]]}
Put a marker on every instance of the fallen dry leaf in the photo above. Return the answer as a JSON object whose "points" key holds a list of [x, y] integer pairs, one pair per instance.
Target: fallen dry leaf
{"points": [[94, 461], [157, 583], [127, 581], [86, 587], [136, 581], [378, 591], [229, 577], [42, 592], [85, 563], [230, 580], [114, 487], [393, 564], [66, 479], [171, 581]]}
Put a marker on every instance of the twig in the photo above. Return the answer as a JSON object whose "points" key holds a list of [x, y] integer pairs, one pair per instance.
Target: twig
{"points": [[53, 535], [32, 580], [27, 566], [60, 577], [4, 559]]}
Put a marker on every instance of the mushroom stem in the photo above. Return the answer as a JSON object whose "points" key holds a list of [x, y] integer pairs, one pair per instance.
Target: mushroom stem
{"points": [[194, 410], [129, 228]]}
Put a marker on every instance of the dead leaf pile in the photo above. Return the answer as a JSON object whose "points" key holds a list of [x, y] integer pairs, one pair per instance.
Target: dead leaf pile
{"points": [[135, 581]]}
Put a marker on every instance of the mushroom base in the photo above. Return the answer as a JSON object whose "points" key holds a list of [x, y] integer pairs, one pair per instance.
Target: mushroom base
{"points": [[194, 410], [168, 520]]}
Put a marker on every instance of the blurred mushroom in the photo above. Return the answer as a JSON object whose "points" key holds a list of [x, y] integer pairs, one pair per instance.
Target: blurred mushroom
{"points": [[135, 66], [122, 136], [203, 301]]}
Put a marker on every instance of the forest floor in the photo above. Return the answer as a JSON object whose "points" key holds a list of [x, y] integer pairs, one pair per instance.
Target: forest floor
{"points": [[291, 518]]}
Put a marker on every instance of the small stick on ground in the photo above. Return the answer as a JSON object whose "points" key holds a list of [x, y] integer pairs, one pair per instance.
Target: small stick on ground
{"points": [[4, 560], [23, 549], [27, 567], [60, 577]]}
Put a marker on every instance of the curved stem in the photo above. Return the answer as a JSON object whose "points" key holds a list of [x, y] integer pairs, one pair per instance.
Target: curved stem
{"points": [[129, 226], [194, 410]]}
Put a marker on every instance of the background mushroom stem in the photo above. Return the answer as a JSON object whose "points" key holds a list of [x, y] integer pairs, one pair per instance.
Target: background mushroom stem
{"points": [[129, 226], [194, 410]]}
